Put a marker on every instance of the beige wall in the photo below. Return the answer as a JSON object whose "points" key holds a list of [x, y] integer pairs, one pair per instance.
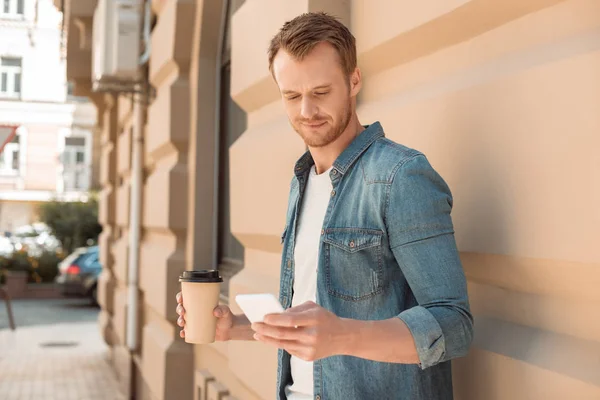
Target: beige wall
{"points": [[166, 361], [41, 158], [501, 96], [14, 214], [109, 320], [508, 116]]}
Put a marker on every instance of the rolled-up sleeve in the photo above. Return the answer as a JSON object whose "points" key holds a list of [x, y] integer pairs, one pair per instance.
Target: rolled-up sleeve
{"points": [[421, 236]]}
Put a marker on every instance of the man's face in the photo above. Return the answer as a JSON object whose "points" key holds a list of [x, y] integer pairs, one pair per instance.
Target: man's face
{"points": [[317, 94]]}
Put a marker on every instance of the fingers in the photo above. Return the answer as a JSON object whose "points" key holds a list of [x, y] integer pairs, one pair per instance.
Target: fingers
{"points": [[180, 310], [301, 307], [181, 323], [292, 320], [295, 348], [290, 345], [221, 311], [280, 333], [301, 315]]}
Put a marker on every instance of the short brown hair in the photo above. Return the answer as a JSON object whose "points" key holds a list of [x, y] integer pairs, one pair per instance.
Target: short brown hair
{"points": [[300, 35]]}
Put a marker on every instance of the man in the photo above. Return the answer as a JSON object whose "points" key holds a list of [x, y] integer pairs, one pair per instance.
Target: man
{"points": [[369, 268]]}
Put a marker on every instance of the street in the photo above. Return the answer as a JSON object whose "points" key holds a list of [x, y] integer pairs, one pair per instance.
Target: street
{"points": [[55, 353]]}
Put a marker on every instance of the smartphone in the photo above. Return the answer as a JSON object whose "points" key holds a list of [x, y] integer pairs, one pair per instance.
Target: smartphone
{"points": [[256, 306]]}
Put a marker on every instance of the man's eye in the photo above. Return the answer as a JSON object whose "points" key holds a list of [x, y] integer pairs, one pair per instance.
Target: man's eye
{"points": [[292, 97], [321, 93]]}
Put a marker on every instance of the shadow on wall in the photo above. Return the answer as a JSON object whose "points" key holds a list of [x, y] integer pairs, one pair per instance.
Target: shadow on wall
{"points": [[483, 206], [508, 359]]}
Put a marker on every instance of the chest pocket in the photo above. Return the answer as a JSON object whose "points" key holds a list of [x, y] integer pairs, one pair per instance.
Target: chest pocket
{"points": [[353, 263]]}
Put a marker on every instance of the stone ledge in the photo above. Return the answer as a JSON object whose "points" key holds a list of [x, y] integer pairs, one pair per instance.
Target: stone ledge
{"points": [[17, 288], [535, 366], [547, 277]]}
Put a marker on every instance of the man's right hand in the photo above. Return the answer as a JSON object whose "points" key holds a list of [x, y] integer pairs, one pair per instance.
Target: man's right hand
{"points": [[225, 320]]}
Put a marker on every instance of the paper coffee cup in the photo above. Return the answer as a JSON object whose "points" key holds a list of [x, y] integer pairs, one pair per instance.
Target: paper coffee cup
{"points": [[200, 290]]}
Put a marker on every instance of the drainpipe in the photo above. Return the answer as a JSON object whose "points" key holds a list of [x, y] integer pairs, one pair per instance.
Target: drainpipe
{"points": [[136, 192], [134, 227]]}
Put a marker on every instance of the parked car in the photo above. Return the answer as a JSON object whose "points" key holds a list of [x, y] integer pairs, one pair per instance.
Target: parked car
{"points": [[68, 260], [78, 273]]}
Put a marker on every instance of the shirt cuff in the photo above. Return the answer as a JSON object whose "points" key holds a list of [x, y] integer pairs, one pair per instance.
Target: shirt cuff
{"points": [[427, 334]]}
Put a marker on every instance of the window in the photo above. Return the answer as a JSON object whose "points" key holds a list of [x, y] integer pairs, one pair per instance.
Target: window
{"points": [[232, 123], [12, 8], [10, 77], [76, 171], [10, 157]]}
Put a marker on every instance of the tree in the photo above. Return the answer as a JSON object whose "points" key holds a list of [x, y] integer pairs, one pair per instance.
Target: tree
{"points": [[75, 224]]}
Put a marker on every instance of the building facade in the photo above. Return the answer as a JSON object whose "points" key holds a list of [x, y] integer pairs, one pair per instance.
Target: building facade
{"points": [[53, 152], [503, 98]]}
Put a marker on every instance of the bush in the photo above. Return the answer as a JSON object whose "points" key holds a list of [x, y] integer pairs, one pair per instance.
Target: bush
{"points": [[45, 268], [18, 261], [39, 269], [74, 224]]}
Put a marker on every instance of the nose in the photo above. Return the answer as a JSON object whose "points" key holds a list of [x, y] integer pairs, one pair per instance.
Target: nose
{"points": [[308, 108]]}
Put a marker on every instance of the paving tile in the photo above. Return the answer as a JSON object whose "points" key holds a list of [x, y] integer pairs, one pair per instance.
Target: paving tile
{"points": [[30, 370]]}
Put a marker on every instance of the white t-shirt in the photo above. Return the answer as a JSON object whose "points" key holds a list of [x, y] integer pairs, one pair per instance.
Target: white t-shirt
{"points": [[306, 259]]}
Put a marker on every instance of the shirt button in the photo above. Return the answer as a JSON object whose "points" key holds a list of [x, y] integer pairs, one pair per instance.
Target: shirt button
{"points": [[284, 301], [334, 172], [352, 243], [289, 263], [332, 193], [322, 232], [317, 397]]}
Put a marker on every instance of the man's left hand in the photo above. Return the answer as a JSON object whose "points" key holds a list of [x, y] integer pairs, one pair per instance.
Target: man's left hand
{"points": [[307, 331]]}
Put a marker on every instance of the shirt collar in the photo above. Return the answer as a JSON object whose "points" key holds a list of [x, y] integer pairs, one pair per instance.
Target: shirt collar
{"points": [[350, 154]]}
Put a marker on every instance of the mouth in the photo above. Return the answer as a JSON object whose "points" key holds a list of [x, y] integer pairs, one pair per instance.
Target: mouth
{"points": [[315, 125]]}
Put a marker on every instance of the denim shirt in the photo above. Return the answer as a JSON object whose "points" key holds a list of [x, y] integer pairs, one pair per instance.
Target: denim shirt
{"points": [[387, 250]]}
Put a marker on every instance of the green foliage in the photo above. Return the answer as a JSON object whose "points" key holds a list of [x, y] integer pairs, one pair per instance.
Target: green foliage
{"points": [[74, 224], [18, 261], [45, 267], [39, 269]]}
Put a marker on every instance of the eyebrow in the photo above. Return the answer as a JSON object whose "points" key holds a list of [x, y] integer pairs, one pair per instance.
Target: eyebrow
{"points": [[327, 86]]}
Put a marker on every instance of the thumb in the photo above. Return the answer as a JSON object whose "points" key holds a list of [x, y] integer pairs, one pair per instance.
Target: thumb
{"points": [[221, 311]]}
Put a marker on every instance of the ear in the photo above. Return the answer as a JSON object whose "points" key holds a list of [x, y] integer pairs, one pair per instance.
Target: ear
{"points": [[355, 82]]}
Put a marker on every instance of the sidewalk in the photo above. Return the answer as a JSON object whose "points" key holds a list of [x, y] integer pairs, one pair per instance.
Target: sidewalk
{"points": [[66, 361]]}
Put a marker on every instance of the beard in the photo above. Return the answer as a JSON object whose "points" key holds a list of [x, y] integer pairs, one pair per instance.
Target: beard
{"points": [[325, 134]]}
